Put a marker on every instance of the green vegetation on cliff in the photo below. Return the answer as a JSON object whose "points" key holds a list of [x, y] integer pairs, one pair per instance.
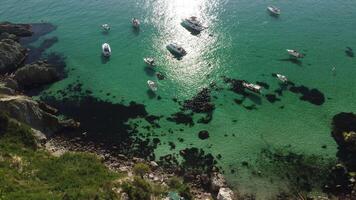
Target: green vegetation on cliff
{"points": [[30, 173]]}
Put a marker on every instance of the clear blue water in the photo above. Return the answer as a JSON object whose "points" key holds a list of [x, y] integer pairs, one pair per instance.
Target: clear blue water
{"points": [[245, 43]]}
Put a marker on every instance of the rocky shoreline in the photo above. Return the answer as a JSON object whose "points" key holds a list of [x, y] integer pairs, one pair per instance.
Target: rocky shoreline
{"points": [[23, 70]]}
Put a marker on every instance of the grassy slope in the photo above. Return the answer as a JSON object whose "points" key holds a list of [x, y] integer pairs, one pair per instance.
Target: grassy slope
{"points": [[30, 173]]}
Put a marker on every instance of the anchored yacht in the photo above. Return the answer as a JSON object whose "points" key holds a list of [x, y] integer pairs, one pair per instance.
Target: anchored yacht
{"points": [[295, 53], [193, 23], [274, 10], [106, 50], [176, 49], [135, 23], [149, 61], [152, 85], [253, 87]]}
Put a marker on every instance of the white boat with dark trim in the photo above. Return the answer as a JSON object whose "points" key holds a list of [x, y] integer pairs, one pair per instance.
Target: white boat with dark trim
{"points": [[282, 78], [106, 27], [106, 50], [295, 53], [152, 85], [150, 61], [176, 49], [253, 87], [274, 10], [135, 23], [194, 24]]}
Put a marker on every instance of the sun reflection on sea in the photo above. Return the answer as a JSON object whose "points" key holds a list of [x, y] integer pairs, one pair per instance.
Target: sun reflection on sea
{"points": [[166, 16]]}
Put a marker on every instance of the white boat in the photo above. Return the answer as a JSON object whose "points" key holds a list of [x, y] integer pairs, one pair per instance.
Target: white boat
{"points": [[282, 78], [295, 53], [274, 10], [152, 85], [135, 23], [252, 87], [193, 23], [150, 61], [106, 50], [105, 27], [176, 49]]}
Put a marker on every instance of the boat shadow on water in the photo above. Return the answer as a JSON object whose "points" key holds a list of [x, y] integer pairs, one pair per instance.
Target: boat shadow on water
{"points": [[104, 59], [136, 31], [151, 94], [292, 60], [149, 71]]}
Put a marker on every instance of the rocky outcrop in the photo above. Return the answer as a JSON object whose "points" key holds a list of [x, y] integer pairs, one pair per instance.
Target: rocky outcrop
{"points": [[225, 194], [28, 111], [217, 181], [12, 54], [5, 90], [36, 74], [20, 30]]}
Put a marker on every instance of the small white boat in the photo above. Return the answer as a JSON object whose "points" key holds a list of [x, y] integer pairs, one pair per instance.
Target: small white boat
{"points": [[252, 87], [105, 27], [282, 78], [193, 24], [152, 85], [176, 49], [106, 50], [150, 61], [295, 53], [274, 10], [135, 23]]}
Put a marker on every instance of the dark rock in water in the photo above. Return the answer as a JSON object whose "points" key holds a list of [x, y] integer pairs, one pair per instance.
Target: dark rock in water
{"points": [[200, 103], [35, 75], [197, 160], [349, 52], [236, 86], [203, 135], [38, 30], [207, 119], [172, 145], [272, 98], [12, 55], [36, 53], [251, 107], [105, 122], [263, 84], [239, 101], [182, 118], [160, 76], [20, 30], [313, 96], [344, 133], [153, 120]]}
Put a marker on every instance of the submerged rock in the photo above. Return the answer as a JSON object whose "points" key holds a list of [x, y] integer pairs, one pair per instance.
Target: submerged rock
{"points": [[203, 135], [20, 30], [313, 96], [36, 74], [12, 54]]}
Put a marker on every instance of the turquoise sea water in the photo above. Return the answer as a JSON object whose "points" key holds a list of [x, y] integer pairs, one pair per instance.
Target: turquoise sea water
{"points": [[243, 41]]}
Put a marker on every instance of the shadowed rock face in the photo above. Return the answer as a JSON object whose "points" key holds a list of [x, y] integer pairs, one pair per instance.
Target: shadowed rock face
{"points": [[12, 54], [36, 74]]}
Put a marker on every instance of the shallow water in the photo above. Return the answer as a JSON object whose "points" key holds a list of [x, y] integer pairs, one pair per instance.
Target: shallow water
{"points": [[243, 41]]}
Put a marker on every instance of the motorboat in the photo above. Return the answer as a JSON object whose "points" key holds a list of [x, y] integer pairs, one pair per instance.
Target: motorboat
{"points": [[106, 50], [274, 10], [150, 61], [295, 53], [135, 23], [152, 85], [176, 49], [193, 23], [252, 87], [106, 27], [282, 78]]}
